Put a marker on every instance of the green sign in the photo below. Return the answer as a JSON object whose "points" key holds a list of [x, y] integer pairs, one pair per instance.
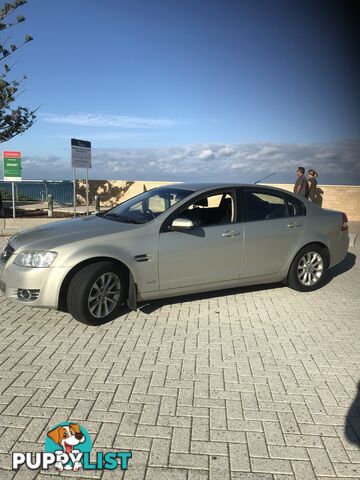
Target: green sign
{"points": [[12, 166]]}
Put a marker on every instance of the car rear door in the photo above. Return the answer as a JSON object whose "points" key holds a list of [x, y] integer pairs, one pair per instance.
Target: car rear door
{"points": [[274, 223], [205, 254]]}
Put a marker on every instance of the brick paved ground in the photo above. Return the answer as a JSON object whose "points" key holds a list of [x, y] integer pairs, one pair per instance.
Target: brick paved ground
{"points": [[251, 384]]}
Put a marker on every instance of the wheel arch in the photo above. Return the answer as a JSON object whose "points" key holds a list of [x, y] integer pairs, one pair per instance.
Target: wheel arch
{"points": [[62, 303], [320, 244]]}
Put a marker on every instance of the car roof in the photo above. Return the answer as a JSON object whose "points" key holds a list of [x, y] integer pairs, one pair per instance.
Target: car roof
{"points": [[213, 185], [197, 186]]}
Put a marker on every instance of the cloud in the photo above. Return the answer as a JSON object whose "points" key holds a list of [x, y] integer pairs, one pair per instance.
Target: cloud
{"points": [[225, 151], [336, 162], [325, 155], [107, 121], [206, 154], [267, 151]]}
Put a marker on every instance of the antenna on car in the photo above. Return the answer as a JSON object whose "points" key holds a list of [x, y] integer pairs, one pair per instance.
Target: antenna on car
{"points": [[267, 176]]}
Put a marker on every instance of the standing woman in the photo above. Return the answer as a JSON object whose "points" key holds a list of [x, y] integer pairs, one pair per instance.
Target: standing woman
{"points": [[312, 186]]}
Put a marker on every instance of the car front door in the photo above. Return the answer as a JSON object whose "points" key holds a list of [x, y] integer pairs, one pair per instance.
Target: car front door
{"points": [[274, 223], [208, 253]]}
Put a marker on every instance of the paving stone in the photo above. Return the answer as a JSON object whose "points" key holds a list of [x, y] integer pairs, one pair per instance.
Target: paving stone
{"points": [[335, 450], [219, 468], [251, 476], [257, 444], [270, 465], [187, 460], [209, 448], [273, 433], [303, 470], [320, 462], [239, 458], [347, 469], [291, 453], [303, 441], [165, 474], [160, 451], [261, 390]]}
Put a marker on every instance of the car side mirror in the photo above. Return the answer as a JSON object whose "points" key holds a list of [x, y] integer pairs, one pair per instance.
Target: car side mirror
{"points": [[181, 224]]}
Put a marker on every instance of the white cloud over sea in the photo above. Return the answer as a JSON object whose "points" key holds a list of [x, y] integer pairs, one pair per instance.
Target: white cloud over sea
{"points": [[336, 162], [107, 121]]}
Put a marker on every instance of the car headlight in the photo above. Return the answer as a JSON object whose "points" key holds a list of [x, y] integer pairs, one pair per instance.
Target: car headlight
{"points": [[35, 259]]}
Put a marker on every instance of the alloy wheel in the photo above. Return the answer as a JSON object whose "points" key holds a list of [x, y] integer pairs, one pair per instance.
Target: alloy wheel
{"points": [[310, 268], [104, 295]]}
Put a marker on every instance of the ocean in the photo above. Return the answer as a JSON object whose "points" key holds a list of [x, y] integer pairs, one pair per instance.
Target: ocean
{"points": [[30, 191]]}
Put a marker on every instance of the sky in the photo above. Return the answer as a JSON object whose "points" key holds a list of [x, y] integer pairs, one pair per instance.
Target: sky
{"points": [[183, 90]]}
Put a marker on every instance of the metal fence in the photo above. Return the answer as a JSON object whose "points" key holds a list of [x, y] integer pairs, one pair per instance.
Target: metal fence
{"points": [[27, 191], [33, 195]]}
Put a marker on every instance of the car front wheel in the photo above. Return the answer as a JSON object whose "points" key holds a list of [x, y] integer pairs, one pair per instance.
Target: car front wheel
{"points": [[96, 293], [308, 269]]}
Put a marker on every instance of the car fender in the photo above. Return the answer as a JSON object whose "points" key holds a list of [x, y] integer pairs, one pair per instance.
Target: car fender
{"points": [[142, 266]]}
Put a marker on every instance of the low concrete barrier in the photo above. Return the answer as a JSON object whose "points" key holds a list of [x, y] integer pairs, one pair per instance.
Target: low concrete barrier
{"points": [[345, 198]]}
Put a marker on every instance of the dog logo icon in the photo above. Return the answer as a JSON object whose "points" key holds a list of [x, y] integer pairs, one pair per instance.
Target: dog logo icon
{"points": [[68, 446], [69, 441]]}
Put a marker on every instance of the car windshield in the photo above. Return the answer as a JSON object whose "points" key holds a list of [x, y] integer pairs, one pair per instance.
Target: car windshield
{"points": [[148, 205]]}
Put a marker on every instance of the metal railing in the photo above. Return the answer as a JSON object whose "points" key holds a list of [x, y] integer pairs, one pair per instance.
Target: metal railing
{"points": [[33, 195], [37, 191]]}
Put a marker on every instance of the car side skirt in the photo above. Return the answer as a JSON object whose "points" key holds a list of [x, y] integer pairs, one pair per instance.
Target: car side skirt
{"points": [[208, 287]]}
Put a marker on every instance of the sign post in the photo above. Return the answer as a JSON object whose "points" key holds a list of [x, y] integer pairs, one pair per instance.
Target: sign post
{"points": [[12, 172], [81, 158], [87, 191], [74, 189]]}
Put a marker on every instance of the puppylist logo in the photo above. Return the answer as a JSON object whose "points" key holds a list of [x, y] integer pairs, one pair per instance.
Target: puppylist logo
{"points": [[68, 447]]}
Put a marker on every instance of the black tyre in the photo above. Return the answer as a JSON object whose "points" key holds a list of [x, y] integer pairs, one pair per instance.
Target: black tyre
{"points": [[308, 269], [96, 293]]}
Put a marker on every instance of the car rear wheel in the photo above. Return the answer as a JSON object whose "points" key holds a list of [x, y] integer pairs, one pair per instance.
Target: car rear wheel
{"points": [[308, 269], [96, 293]]}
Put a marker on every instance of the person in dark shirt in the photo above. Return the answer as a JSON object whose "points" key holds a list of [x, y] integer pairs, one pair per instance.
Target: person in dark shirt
{"points": [[312, 184], [314, 192], [300, 186]]}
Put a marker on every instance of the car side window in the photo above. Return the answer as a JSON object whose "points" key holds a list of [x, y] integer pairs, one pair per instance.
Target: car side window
{"points": [[216, 209], [264, 206], [296, 207]]}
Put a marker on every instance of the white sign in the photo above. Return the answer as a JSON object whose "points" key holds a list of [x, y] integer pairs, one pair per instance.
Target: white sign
{"points": [[80, 153]]}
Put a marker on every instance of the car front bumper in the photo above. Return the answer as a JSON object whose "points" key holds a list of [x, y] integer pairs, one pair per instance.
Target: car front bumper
{"points": [[45, 281]]}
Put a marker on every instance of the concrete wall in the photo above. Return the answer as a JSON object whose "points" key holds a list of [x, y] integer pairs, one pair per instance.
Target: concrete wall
{"points": [[345, 198], [112, 191]]}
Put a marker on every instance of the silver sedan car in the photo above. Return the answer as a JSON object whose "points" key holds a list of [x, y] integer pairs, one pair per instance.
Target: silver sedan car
{"points": [[174, 240]]}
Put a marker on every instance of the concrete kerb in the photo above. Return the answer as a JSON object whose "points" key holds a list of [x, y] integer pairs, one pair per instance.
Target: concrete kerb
{"points": [[353, 237], [354, 230]]}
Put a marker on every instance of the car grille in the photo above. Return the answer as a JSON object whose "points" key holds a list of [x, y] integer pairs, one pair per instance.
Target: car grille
{"points": [[6, 253]]}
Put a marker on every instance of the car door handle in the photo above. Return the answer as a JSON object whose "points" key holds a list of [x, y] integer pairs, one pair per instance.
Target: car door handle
{"points": [[294, 225], [231, 233]]}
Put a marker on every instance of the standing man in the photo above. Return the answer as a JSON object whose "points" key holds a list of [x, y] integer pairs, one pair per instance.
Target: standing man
{"points": [[300, 186]]}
